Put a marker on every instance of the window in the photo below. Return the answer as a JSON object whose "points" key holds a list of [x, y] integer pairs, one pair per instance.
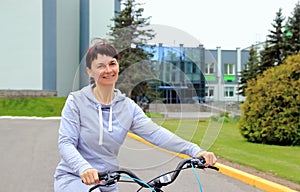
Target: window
{"points": [[209, 92], [195, 68], [229, 92], [209, 68], [229, 69], [188, 67]]}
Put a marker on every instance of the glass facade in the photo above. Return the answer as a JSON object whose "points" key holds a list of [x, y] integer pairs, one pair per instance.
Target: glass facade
{"points": [[179, 70], [193, 74]]}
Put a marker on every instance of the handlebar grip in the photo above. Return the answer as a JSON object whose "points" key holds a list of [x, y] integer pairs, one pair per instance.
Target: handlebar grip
{"points": [[202, 159], [102, 176]]}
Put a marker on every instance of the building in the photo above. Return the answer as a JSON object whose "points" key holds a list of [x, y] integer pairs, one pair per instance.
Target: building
{"points": [[194, 74], [222, 70], [44, 41]]}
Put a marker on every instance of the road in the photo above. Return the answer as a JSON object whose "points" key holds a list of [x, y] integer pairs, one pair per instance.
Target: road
{"points": [[29, 156]]}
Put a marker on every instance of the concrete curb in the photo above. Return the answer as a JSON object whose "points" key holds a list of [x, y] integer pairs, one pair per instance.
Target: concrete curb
{"points": [[252, 180]]}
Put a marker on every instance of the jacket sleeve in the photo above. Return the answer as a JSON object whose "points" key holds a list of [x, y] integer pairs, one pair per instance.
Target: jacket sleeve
{"points": [[68, 137], [144, 127]]}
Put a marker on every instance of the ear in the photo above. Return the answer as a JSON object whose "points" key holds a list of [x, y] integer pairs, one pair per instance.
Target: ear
{"points": [[88, 70]]}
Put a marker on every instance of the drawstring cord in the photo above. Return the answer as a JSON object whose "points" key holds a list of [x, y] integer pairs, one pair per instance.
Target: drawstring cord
{"points": [[110, 119], [100, 125], [101, 132]]}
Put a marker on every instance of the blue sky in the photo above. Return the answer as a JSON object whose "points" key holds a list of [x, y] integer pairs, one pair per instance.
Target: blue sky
{"points": [[228, 24]]}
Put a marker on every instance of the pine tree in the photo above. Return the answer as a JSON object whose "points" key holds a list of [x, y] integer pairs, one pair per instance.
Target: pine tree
{"points": [[250, 70], [130, 35], [292, 31], [276, 39], [266, 59]]}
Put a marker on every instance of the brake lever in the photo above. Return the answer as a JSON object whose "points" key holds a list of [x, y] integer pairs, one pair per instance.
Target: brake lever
{"points": [[109, 178], [197, 163], [213, 167], [200, 163]]}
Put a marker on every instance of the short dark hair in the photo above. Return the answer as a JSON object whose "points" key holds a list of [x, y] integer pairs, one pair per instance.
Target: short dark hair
{"points": [[102, 48]]}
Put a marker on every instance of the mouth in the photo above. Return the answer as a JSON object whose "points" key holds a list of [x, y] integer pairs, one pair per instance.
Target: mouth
{"points": [[108, 76]]}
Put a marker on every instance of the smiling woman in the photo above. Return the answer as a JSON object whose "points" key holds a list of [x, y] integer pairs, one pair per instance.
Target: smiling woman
{"points": [[95, 121]]}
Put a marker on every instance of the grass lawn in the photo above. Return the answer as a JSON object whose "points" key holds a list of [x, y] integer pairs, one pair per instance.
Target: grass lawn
{"points": [[283, 161], [40, 107]]}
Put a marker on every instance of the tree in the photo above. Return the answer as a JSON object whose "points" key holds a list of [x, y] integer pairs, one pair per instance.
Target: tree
{"points": [[292, 31], [283, 40], [266, 59], [130, 35], [275, 42], [272, 109], [250, 70]]}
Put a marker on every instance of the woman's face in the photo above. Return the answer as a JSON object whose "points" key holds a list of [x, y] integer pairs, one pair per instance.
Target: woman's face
{"points": [[104, 70]]}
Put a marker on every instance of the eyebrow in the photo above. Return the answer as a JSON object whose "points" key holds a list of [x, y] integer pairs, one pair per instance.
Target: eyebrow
{"points": [[112, 61]]}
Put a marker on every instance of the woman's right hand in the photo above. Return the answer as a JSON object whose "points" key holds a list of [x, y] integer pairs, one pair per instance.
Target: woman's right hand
{"points": [[90, 176]]}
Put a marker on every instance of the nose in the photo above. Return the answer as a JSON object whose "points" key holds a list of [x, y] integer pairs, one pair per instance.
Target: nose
{"points": [[107, 68]]}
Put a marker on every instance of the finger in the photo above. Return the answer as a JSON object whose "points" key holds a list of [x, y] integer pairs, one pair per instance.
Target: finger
{"points": [[87, 177], [96, 177], [83, 180], [211, 159], [208, 160], [215, 160], [87, 180]]}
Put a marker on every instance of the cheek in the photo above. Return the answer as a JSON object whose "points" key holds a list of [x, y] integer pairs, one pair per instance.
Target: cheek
{"points": [[116, 70], [96, 74]]}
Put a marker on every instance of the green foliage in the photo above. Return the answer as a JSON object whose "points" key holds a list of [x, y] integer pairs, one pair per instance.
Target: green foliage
{"points": [[292, 31], [271, 112], [250, 70], [41, 107], [225, 117], [275, 51]]}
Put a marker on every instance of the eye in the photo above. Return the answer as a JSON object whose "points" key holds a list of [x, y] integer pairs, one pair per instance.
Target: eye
{"points": [[100, 66], [113, 62]]}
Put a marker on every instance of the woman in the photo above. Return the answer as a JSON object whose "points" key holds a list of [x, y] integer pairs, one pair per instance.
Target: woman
{"points": [[95, 122]]}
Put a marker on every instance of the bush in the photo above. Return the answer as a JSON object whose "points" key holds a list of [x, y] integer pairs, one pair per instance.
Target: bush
{"points": [[225, 117], [271, 112]]}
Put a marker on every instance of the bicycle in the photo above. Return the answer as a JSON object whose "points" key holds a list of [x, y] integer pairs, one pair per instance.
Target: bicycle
{"points": [[155, 184]]}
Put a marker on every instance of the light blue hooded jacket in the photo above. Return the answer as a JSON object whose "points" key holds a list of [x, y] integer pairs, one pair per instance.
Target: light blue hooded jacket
{"points": [[90, 133]]}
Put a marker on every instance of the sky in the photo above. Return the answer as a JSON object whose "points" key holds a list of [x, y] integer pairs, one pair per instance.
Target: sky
{"points": [[228, 24]]}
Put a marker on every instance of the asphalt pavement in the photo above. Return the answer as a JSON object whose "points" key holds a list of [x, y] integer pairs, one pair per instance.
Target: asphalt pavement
{"points": [[29, 156]]}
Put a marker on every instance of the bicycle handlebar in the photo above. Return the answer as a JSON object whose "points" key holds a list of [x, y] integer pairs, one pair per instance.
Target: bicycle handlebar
{"points": [[157, 182]]}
